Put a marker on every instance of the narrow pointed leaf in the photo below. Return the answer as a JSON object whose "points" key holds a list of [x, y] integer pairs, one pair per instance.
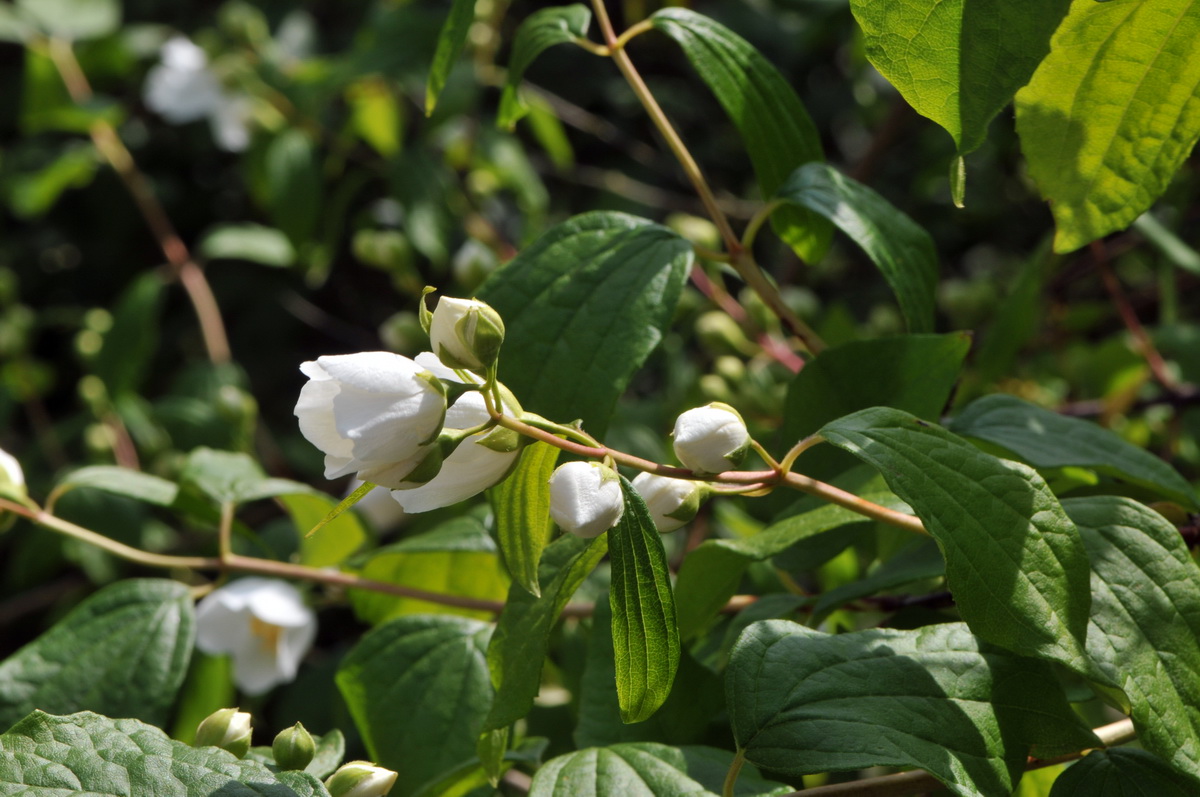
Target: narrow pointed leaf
{"points": [[522, 637], [901, 250], [1145, 621], [1121, 772], [774, 125], [540, 30], [644, 626], [451, 39], [937, 699], [583, 307], [958, 62], [418, 690], [124, 651], [1112, 113], [522, 506], [1045, 439], [1014, 561]]}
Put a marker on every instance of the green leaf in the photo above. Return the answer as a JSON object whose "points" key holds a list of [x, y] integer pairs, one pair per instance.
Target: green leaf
{"points": [[328, 756], [644, 627], [121, 481], [228, 476], [901, 250], [253, 242], [774, 125], [958, 62], [1111, 114], [541, 30], [73, 19], [418, 690], [422, 185], [294, 185], [450, 41], [646, 769], [1121, 772], [1145, 623], [522, 506], [128, 348], [522, 637], [583, 307], [335, 542], [917, 562], [1014, 561], [802, 702], [1045, 439], [87, 754], [123, 651], [32, 194]]}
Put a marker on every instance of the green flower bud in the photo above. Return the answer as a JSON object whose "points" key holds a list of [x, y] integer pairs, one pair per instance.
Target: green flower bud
{"points": [[360, 779], [465, 333], [294, 748], [226, 728]]}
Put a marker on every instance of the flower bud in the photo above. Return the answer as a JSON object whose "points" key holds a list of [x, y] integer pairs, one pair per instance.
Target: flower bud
{"points": [[12, 478], [360, 779], [465, 333], [585, 498], [672, 502], [294, 748], [711, 439], [226, 728]]}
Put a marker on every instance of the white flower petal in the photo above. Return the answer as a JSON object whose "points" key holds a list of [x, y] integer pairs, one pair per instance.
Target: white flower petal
{"points": [[585, 498]]}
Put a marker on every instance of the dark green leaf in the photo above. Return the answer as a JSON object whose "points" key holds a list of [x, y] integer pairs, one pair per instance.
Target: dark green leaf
{"points": [[32, 194], [253, 242], [522, 637], [228, 476], [774, 125], [582, 308], [802, 702], [1014, 561], [294, 185], [130, 344], [418, 690], [644, 627], [121, 481], [915, 563], [1045, 439], [422, 185], [1145, 621], [124, 651], [901, 250], [1121, 772], [522, 506], [541, 30], [87, 754], [449, 44]]}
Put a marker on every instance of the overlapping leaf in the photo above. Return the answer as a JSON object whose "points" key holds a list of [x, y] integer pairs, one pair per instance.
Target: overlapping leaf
{"points": [[541, 30], [1121, 772], [522, 506], [450, 41]]}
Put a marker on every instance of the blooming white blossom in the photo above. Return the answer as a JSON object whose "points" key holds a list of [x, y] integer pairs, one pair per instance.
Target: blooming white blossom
{"points": [[479, 462], [376, 414], [585, 498], [12, 478], [263, 624], [711, 439], [465, 333], [672, 502], [360, 779], [181, 89]]}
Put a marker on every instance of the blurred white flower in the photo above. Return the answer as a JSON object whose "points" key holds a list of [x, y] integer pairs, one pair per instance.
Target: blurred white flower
{"points": [[711, 439], [181, 89], [672, 502], [263, 624], [376, 414], [12, 478], [585, 498]]}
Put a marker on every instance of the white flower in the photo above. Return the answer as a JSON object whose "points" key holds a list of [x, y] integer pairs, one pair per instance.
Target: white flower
{"points": [[479, 462], [585, 498], [711, 439], [672, 502], [12, 478], [183, 89], [360, 779], [263, 624], [466, 333], [375, 413]]}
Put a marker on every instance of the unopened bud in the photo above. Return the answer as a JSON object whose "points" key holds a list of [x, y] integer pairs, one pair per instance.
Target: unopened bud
{"points": [[465, 333], [672, 502], [585, 498], [711, 439], [226, 728], [360, 779], [294, 748], [12, 478]]}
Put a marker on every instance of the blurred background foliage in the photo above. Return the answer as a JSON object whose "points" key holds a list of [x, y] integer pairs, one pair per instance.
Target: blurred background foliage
{"points": [[319, 220]]}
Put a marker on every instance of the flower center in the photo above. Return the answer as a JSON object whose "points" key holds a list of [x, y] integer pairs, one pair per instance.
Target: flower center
{"points": [[267, 633]]}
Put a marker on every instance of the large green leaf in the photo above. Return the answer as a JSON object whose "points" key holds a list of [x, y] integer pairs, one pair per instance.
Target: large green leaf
{"points": [[1145, 621], [418, 690], [1121, 772], [450, 43], [582, 308], [336, 541], [87, 754], [1045, 439], [901, 250], [121, 481], [1014, 561], [1112, 113], [522, 506], [646, 769], [522, 637], [124, 651], [644, 626], [294, 185], [937, 699], [774, 125], [541, 30], [958, 62], [233, 477]]}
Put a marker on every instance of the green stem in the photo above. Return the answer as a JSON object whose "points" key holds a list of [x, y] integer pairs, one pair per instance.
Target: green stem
{"points": [[757, 221], [748, 269], [789, 459], [732, 776], [225, 531]]}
